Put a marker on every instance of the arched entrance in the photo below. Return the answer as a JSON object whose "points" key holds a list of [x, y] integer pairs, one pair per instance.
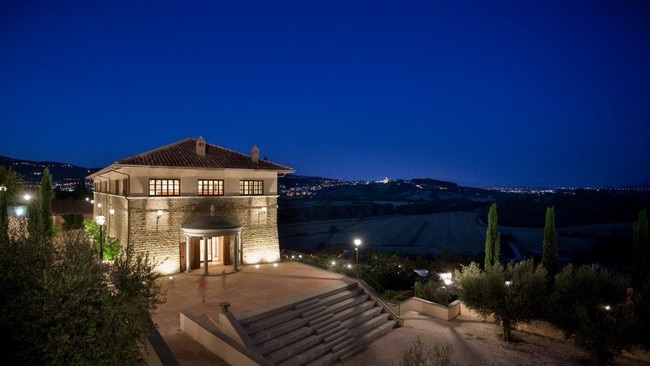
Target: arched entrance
{"points": [[211, 240]]}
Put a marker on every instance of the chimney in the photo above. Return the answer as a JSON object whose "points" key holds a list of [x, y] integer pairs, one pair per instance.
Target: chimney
{"points": [[255, 154], [200, 146]]}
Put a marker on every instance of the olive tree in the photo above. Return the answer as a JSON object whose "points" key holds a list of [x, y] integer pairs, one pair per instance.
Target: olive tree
{"points": [[512, 294], [588, 305], [64, 307]]}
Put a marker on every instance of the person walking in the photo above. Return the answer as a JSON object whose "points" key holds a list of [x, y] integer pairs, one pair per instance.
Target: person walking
{"points": [[202, 288]]}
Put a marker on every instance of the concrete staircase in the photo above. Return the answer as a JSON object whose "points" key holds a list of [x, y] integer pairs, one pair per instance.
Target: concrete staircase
{"points": [[321, 330]]}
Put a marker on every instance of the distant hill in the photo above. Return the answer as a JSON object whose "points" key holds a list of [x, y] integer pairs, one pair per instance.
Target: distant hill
{"points": [[62, 173]]}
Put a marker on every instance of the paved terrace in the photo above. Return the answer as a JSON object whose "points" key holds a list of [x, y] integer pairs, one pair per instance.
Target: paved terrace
{"points": [[255, 289], [251, 290]]}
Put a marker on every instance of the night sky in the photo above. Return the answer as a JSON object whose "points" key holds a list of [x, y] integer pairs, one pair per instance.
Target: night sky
{"points": [[484, 93]]}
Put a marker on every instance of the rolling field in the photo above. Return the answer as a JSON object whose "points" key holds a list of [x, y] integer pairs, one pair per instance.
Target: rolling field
{"points": [[460, 232], [417, 234]]}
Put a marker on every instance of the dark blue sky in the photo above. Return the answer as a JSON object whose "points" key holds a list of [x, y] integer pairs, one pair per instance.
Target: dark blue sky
{"points": [[482, 93]]}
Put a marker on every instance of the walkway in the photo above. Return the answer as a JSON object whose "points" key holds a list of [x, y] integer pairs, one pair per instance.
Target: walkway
{"points": [[253, 289], [258, 288]]}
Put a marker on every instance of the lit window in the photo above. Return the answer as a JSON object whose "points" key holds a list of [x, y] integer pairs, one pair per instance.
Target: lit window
{"points": [[251, 187], [210, 187], [164, 187]]}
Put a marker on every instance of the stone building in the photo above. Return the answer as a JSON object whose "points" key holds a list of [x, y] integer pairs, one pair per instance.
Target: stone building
{"points": [[192, 205]]}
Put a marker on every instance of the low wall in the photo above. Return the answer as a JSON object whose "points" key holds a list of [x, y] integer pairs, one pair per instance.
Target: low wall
{"points": [[156, 352], [215, 341], [430, 308]]}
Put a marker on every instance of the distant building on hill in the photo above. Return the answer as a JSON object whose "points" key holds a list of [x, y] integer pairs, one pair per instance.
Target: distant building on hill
{"points": [[192, 205]]}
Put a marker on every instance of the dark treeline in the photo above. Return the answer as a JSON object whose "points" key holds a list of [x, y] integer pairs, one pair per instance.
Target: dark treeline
{"points": [[292, 211], [583, 207]]}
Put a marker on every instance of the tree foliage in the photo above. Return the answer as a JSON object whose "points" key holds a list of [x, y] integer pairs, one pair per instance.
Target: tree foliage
{"points": [[492, 239], [549, 243], [10, 181], [389, 272], [45, 197], [512, 294], [417, 355], [641, 248], [587, 304], [111, 245], [65, 308], [39, 211]]}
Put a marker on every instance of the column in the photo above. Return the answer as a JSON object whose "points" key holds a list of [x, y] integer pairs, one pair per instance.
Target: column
{"points": [[205, 255], [237, 248], [187, 254]]}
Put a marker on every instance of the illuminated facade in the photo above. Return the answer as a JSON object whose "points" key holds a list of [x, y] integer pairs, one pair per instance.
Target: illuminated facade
{"points": [[192, 205]]}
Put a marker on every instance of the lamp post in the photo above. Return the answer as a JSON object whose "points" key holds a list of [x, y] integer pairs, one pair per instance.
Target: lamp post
{"points": [[100, 220], [4, 224], [448, 283], [357, 243]]}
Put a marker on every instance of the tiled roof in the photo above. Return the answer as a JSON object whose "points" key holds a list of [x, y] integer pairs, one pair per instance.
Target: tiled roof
{"points": [[183, 154]]}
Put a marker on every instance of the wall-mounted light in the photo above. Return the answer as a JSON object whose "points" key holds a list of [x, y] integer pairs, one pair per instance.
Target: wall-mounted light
{"points": [[261, 211], [159, 213], [27, 197], [3, 189], [111, 211]]}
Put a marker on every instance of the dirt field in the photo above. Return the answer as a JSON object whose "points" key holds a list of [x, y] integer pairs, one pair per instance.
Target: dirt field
{"points": [[460, 232], [474, 342]]}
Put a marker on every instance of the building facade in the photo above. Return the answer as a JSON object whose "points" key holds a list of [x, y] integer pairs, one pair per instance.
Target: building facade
{"points": [[191, 204]]}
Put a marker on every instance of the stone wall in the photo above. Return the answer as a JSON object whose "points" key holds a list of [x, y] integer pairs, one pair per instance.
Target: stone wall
{"points": [[136, 222]]}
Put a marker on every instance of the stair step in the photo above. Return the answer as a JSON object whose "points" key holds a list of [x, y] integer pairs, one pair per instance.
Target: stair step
{"points": [[305, 357], [319, 331], [324, 360], [360, 317], [282, 341], [294, 349], [276, 319], [288, 326], [338, 297], [332, 324], [354, 310], [361, 341], [347, 303], [249, 320], [370, 324], [302, 304]]}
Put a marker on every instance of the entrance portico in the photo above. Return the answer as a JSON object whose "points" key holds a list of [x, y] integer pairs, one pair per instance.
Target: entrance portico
{"points": [[218, 240]]}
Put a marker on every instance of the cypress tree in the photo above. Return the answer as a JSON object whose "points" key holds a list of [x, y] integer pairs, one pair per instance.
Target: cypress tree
{"points": [[492, 239], [45, 197], [549, 244], [39, 212], [641, 248]]}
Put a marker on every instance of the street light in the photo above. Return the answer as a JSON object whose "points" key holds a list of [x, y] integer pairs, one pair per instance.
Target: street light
{"points": [[357, 243], [100, 220]]}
